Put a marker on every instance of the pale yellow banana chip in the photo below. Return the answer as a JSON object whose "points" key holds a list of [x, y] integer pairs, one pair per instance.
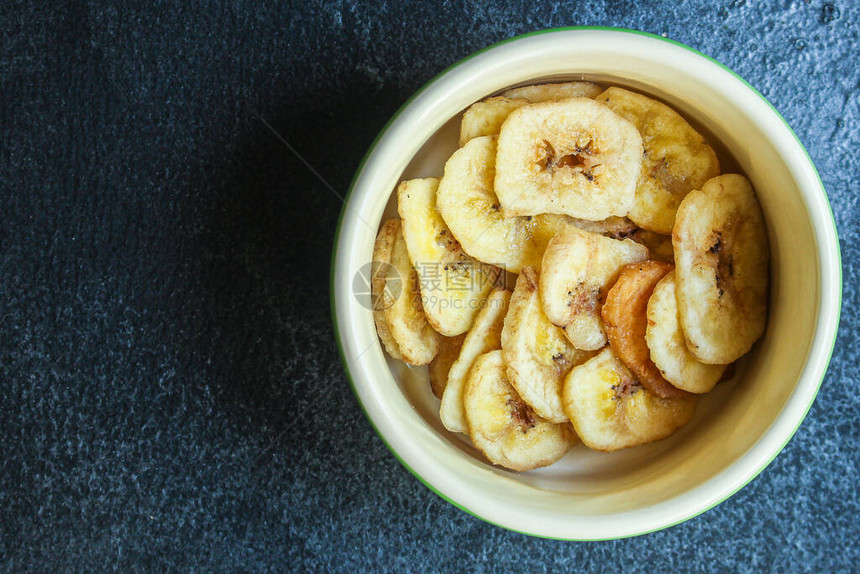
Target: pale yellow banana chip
{"points": [[485, 118], [471, 209], [382, 297], [578, 269], [537, 353], [677, 158], [554, 92], [667, 346], [610, 410], [485, 335], [417, 340], [721, 258], [453, 284], [503, 426], [574, 157]]}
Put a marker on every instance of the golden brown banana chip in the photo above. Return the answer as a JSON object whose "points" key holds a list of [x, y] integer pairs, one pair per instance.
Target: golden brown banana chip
{"points": [[452, 284], [625, 317], [721, 258], [611, 410], [503, 426], [485, 335], [574, 157], [578, 269], [677, 158], [667, 347], [440, 366], [537, 353]]}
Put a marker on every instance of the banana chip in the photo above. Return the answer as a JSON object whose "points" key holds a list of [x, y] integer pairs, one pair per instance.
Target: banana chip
{"points": [[574, 157], [471, 209], [578, 269], [381, 297], [625, 317], [417, 340], [452, 284], [554, 92], [721, 272], [537, 353], [667, 347], [611, 410], [677, 158], [485, 118], [505, 428], [485, 335]]}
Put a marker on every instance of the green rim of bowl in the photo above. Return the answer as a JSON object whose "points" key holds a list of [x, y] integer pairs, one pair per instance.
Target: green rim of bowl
{"points": [[370, 152]]}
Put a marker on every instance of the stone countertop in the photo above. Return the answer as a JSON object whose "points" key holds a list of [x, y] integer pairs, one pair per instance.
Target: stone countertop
{"points": [[171, 392]]}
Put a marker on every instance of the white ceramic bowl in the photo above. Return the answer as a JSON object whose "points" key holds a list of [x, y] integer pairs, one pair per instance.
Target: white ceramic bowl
{"points": [[739, 427]]}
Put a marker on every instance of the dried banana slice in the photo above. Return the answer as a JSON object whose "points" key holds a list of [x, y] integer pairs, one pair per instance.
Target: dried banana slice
{"points": [[539, 229], [505, 428], [667, 347], [574, 157], [440, 366], [417, 340], [471, 210], [721, 258], [452, 284], [611, 410], [537, 353], [625, 317], [485, 118], [555, 92], [677, 158], [383, 297], [578, 269], [485, 335]]}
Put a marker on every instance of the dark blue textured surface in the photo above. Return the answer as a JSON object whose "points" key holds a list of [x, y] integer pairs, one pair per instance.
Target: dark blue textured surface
{"points": [[170, 391]]}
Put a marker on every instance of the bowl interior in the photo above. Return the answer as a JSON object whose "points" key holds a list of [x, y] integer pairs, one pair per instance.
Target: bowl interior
{"points": [[585, 494]]}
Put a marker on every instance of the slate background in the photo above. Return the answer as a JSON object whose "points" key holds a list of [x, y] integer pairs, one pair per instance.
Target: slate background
{"points": [[170, 392]]}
